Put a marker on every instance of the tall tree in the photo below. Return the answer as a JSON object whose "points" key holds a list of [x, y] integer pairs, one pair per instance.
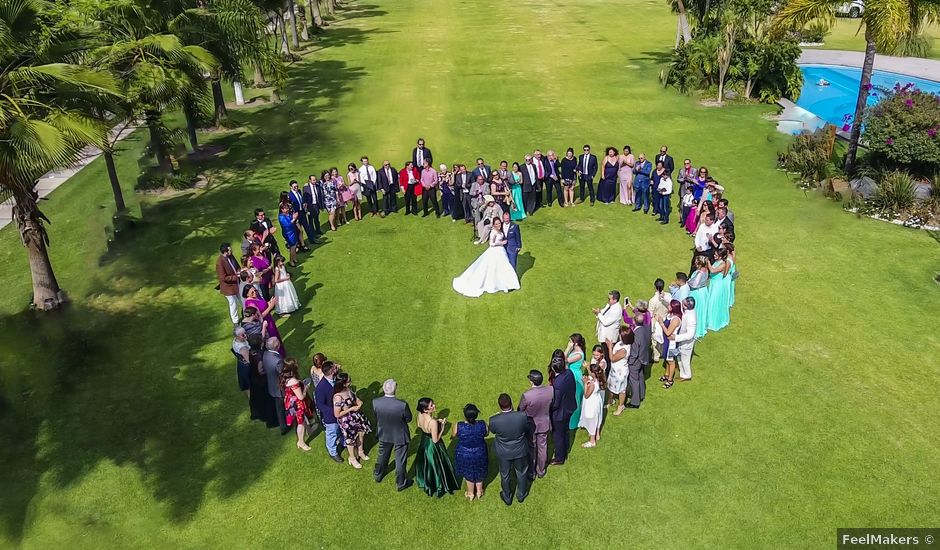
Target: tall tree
{"points": [[889, 25], [47, 116], [683, 30]]}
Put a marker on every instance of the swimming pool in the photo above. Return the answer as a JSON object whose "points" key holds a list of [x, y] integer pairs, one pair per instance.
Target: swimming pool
{"points": [[833, 102]]}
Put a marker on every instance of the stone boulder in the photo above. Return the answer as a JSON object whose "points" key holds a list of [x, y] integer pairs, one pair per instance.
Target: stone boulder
{"points": [[864, 187]]}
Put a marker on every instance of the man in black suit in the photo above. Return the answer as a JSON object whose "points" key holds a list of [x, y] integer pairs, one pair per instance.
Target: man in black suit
{"points": [[664, 158], [462, 182], [296, 199], [587, 169], [512, 431], [313, 202], [271, 364], [553, 178], [392, 416], [637, 361], [541, 174], [265, 230], [482, 169], [420, 154], [529, 178], [388, 183], [563, 406]]}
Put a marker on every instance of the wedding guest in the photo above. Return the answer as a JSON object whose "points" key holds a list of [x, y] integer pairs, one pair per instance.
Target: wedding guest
{"points": [[688, 202], [477, 192], [703, 235], [331, 199], [619, 369], [599, 356], [691, 219], [446, 181], [263, 269], [265, 230], [313, 203], [592, 409], [536, 403], [732, 272], [679, 289], [530, 183], [637, 360], [264, 308], [685, 177], [489, 213], [625, 175], [564, 404], [684, 339], [249, 238], [700, 183], [553, 178], [516, 209], [658, 307], [482, 169], [227, 271], [420, 154], [272, 362], [608, 317], [370, 186], [323, 398], [512, 432], [642, 171], [641, 309], [429, 183], [260, 403], [316, 372], [241, 349], [569, 173], [295, 404], [669, 325], [252, 322], [470, 454], [724, 204], [388, 183], [285, 295], [717, 313], [587, 170], [299, 206], [462, 183], [344, 195], [664, 190], [433, 468], [576, 358], [354, 185], [500, 191], [698, 291], [410, 180], [610, 167], [352, 423], [392, 417]]}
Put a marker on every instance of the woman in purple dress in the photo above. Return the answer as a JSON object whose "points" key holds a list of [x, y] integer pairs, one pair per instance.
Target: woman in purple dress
{"points": [[254, 299], [607, 187], [261, 267], [470, 455]]}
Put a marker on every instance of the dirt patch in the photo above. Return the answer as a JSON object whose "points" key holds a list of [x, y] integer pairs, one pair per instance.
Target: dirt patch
{"points": [[208, 152]]}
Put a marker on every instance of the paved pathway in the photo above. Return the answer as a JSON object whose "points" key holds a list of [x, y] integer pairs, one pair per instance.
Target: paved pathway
{"points": [[928, 69], [52, 180]]}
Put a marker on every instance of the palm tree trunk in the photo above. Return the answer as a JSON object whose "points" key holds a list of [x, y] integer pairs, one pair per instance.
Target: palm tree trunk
{"points": [[330, 7], [259, 77], [684, 22], [863, 88], [239, 93], [304, 23], [292, 17], [46, 292], [316, 15], [115, 183], [156, 142], [220, 114], [191, 126], [279, 23]]}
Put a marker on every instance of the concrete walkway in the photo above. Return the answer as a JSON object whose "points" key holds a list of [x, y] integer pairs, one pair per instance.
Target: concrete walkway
{"points": [[928, 69], [50, 181]]}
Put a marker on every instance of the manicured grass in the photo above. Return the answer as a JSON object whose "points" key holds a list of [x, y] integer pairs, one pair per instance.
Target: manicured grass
{"points": [[845, 35], [122, 424]]}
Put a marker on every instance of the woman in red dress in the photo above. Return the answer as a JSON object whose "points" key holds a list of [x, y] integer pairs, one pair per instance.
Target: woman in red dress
{"points": [[295, 401]]}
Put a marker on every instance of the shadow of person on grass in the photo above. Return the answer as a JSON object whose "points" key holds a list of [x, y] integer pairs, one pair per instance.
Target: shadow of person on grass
{"points": [[524, 263]]}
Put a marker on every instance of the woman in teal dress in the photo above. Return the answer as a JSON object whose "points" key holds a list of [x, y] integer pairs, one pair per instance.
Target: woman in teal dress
{"points": [[574, 355], [434, 470], [698, 289], [719, 289], [516, 211], [733, 272]]}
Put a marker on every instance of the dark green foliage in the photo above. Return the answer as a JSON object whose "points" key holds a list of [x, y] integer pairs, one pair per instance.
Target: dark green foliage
{"points": [[903, 129]]}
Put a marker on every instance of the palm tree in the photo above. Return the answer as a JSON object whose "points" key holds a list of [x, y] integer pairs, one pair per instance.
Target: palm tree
{"points": [[683, 31], [889, 25], [47, 116]]}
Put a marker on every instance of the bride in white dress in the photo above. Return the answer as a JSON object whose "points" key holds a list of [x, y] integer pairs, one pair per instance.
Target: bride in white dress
{"points": [[491, 272]]}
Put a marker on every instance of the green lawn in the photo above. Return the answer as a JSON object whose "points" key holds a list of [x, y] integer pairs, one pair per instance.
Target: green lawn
{"points": [[845, 35], [122, 425]]}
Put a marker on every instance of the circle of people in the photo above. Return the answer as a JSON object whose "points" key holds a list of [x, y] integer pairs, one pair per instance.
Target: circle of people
{"points": [[581, 385]]}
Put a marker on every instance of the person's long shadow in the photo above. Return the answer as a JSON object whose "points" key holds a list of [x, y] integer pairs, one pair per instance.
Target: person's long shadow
{"points": [[524, 263]]}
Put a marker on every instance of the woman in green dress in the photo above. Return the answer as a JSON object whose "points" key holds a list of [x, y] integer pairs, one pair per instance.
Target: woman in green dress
{"points": [[574, 355], [434, 470], [516, 211], [698, 289], [732, 273], [719, 290]]}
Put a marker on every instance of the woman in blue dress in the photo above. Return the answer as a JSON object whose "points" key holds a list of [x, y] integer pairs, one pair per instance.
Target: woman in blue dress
{"points": [[607, 187], [470, 455], [719, 289], [698, 289], [288, 221], [574, 355], [516, 211]]}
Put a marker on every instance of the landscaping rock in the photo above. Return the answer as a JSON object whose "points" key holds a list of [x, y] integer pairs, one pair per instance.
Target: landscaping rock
{"points": [[864, 187], [922, 190], [731, 94]]}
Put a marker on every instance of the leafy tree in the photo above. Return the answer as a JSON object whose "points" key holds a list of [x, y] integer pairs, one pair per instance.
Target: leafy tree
{"points": [[48, 107]]}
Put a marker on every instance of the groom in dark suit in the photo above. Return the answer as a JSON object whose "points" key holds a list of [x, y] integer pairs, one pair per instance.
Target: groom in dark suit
{"points": [[392, 416], [512, 431], [513, 239]]}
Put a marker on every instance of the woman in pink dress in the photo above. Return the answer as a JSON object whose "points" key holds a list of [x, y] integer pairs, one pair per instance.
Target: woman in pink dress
{"points": [[626, 175], [254, 299], [342, 195], [691, 221]]}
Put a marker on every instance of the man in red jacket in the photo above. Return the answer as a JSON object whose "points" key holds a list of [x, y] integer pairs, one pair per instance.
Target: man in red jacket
{"points": [[227, 270], [410, 181]]}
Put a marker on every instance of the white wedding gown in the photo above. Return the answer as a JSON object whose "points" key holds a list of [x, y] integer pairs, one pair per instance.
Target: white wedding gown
{"points": [[490, 273]]}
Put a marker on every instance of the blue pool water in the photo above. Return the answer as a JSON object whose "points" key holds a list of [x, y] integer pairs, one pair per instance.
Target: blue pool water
{"points": [[831, 103]]}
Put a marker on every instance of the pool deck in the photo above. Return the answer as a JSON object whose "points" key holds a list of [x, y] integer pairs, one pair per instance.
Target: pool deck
{"points": [[928, 69]]}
